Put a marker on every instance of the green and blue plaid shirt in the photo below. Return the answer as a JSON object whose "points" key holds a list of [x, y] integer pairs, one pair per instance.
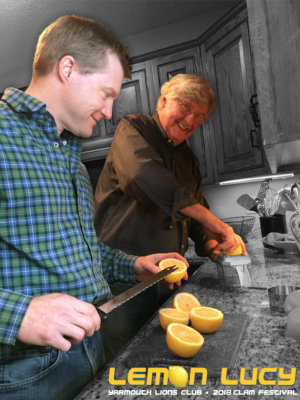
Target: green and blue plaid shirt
{"points": [[47, 239]]}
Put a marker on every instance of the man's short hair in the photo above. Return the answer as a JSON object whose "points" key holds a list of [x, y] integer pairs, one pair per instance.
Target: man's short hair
{"points": [[84, 39], [191, 86]]}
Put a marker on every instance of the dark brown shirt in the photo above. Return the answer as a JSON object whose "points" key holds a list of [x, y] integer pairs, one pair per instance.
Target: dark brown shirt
{"points": [[143, 185]]}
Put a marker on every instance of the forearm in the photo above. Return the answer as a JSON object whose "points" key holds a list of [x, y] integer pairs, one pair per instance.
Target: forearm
{"points": [[200, 214]]}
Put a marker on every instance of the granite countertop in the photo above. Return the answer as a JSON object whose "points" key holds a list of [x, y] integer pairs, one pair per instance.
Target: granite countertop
{"points": [[264, 343]]}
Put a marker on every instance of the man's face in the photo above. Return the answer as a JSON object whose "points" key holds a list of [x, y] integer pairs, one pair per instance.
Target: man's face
{"points": [[176, 124], [90, 97]]}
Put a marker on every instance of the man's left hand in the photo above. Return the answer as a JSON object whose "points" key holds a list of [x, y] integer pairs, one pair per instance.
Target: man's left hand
{"points": [[145, 267]]}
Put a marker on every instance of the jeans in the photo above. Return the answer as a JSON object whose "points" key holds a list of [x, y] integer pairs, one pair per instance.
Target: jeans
{"points": [[29, 375]]}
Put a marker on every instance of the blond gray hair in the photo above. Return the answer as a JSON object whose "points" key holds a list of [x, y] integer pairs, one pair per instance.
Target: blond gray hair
{"points": [[84, 39], [192, 86]]}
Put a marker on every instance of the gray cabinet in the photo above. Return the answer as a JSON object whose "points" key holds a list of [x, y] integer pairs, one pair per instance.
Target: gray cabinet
{"points": [[136, 96], [237, 144]]}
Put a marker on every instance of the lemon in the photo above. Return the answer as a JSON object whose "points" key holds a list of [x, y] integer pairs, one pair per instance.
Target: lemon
{"points": [[185, 302], [169, 315], [178, 376], [183, 341], [178, 274], [206, 319], [293, 324], [236, 252], [292, 301]]}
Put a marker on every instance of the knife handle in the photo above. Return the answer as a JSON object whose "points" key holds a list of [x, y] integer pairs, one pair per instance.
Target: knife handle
{"points": [[102, 314]]}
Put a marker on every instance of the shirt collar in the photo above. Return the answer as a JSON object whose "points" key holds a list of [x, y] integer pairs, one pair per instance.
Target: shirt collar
{"points": [[166, 139], [21, 101], [24, 103]]}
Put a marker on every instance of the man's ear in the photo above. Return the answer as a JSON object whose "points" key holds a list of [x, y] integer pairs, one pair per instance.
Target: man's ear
{"points": [[66, 67], [163, 102]]}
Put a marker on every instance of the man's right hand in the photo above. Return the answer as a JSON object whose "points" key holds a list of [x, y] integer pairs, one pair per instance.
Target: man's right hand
{"points": [[58, 320], [215, 228]]}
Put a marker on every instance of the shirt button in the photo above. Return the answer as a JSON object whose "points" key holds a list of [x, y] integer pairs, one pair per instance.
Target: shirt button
{"points": [[184, 223], [81, 213], [47, 116], [56, 144], [182, 246], [170, 141], [64, 142], [170, 227], [125, 279]]}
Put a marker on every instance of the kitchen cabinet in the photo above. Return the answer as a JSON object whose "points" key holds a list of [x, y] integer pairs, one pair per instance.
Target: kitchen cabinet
{"points": [[165, 68], [227, 64], [136, 96], [274, 32]]}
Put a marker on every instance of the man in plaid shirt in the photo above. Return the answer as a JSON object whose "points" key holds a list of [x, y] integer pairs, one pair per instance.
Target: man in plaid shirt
{"points": [[52, 269]]}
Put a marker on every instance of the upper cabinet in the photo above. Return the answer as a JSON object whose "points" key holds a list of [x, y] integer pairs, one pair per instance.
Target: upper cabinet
{"points": [[165, 68], [227, 63], [275, 38], [136, 96]]}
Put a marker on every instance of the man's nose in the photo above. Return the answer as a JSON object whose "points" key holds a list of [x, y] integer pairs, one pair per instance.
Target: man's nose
{"points": [[190, 120], [107, 111]]}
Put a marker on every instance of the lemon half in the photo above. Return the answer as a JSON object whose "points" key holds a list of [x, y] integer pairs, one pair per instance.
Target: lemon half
{"points": [[176, 275]]}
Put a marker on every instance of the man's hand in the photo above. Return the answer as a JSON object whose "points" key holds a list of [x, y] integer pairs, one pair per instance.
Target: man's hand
{"points": [[58, 320], [215, 228], [145, 267]]}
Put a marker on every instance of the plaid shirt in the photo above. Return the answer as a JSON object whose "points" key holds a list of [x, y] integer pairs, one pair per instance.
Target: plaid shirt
{"points": [[47, 239]]}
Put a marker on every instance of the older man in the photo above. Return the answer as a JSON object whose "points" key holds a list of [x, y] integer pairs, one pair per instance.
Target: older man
{"points": [[52, 267], [149, 197]]}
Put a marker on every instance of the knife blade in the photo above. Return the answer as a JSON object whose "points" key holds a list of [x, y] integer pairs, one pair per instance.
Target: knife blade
{"points": [[110, 305]]}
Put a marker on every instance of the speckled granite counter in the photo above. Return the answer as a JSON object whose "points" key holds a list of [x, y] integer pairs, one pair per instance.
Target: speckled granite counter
{"points": [[264, 342]]}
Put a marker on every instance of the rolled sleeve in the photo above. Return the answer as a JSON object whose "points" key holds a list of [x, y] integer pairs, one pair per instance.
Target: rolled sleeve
{"points": [[13, 307], [182, 199], [117, 265]]}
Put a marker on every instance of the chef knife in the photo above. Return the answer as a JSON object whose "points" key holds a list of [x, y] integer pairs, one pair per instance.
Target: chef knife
{"points": [[107, 307]]}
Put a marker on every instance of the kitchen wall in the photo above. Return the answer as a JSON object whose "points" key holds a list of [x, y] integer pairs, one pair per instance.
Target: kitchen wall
{"points": [[138, 44], [222, 199]]}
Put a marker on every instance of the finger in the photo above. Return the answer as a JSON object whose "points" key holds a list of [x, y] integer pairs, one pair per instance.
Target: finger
{"points": [[59, 342], [164, 256], [87, 316]]}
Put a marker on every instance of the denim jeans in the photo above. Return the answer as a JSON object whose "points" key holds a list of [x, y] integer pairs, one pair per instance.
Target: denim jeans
{"points": [[29, 375]]}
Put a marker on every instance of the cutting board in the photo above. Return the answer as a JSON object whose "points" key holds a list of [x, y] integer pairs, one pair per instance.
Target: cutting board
{"points": [[219, 350]]}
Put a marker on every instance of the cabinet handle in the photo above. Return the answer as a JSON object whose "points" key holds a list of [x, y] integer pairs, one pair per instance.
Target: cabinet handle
{"points": [[252, 138], [253, 110]]}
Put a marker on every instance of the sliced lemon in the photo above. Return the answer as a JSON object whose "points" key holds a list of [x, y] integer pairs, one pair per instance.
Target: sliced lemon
{"points": [[185, 302], [178, 376], [206, 319], [176, 275], [169, 315], [183, 341]]}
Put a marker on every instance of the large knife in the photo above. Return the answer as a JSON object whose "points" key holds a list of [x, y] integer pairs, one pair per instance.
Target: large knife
{"points": [[107, 307]]}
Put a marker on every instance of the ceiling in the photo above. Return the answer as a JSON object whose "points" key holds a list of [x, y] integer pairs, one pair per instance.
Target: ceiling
{"points": [[23, 20]]}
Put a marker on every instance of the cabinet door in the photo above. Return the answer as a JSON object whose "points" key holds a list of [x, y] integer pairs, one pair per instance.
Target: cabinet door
{"points": [[165, 68], [136, 96], [229, 70]]}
